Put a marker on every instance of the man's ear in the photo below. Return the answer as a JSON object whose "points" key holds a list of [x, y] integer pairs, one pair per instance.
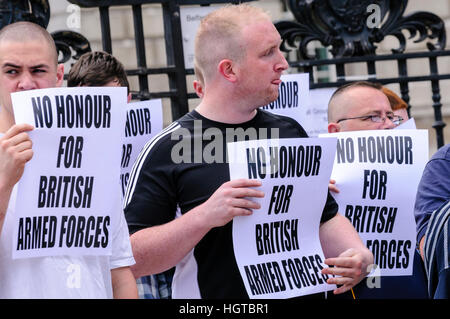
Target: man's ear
{"points": [[334, 127], [198, 88], [225, 68], [59, 75]]}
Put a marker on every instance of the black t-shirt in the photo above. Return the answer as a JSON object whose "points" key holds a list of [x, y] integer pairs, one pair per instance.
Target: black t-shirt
{"points": [[160, 187]]}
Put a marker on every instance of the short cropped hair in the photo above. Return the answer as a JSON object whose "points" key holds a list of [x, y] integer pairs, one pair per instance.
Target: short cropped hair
{"points": [[24, 31], [334, 108], [396, 102], [97, 69], [219, 36], [347, 86]]}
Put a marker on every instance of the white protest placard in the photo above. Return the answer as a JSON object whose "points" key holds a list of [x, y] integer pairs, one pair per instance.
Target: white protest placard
{"points": [[68, 198], [377, 174], [297, 101], [293, 97], [315, 120], [190, 17], [144, 120], [277, 248], [409, 124]]}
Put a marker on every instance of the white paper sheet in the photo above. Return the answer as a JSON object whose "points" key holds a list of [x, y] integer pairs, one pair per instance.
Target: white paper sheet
{"points": [[277, 248], [377, 174], [69, 195]]}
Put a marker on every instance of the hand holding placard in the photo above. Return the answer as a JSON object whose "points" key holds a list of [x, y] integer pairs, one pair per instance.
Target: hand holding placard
{"points": [[231, 200], [15, 151]]}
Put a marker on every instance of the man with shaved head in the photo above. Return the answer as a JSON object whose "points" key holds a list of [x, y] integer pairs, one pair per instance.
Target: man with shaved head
{"points": [[181, 214], [360, 106], [28, 61]]}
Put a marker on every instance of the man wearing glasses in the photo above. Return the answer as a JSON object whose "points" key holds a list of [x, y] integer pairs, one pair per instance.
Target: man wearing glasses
{"points": [[360, 106], [363, 106]]}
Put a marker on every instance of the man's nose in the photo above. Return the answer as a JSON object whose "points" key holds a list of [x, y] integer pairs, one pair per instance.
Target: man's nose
{"points": [[283, 64], [388, 124], [26, 82]]}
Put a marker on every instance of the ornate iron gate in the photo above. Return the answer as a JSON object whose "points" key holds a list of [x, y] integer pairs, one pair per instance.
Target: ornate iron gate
{"points": [[342, 25], [346, 27]]}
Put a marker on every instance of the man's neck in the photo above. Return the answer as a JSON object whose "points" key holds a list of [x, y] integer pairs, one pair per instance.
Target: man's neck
{"points": [[225, 111], [227, 116]]}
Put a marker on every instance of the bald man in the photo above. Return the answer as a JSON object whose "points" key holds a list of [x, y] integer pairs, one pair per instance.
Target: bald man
{"points": [[28, 61], [26, 64], [360, 106], [364, 106]]}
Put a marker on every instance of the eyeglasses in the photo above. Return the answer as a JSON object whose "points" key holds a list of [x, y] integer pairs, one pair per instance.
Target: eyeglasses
{"points": [[377, 118]]}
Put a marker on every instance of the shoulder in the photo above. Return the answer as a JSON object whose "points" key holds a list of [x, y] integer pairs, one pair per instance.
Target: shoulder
{"points": [[440, 161], [442, 154], [164, 140], [286, 124]]}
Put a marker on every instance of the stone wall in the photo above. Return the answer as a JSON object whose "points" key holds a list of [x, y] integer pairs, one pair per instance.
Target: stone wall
{"points": [[65, 16]]}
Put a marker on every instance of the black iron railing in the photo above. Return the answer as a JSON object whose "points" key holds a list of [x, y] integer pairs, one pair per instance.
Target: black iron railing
{"points": [[344, 28], [349, 29], [175, 69]]}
